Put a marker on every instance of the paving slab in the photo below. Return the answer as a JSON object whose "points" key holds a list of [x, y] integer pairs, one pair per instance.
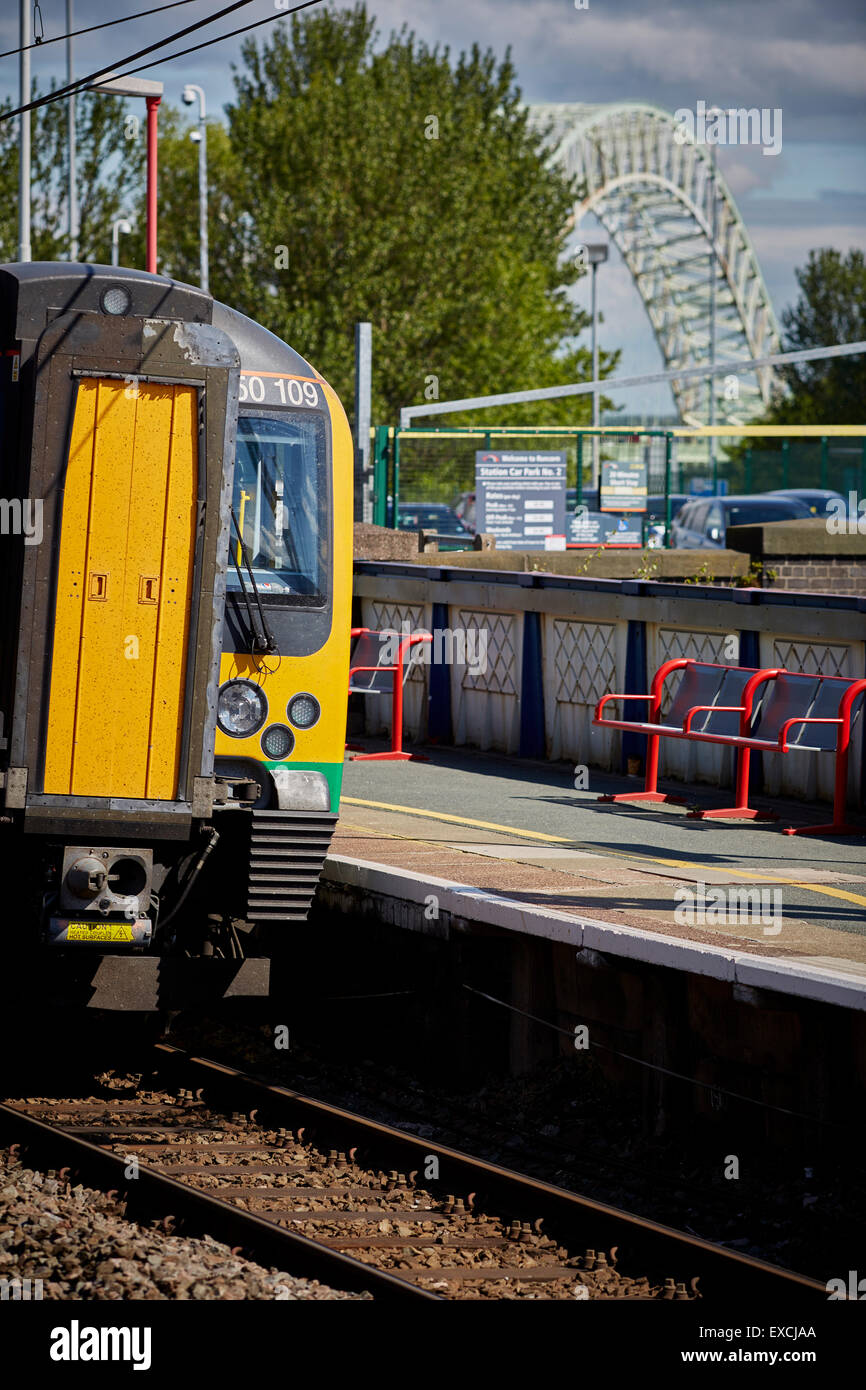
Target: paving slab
{"points": [[519, 832]]}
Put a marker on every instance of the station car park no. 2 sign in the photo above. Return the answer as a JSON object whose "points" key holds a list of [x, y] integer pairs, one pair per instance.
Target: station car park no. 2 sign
{"points": [[520, 497]]}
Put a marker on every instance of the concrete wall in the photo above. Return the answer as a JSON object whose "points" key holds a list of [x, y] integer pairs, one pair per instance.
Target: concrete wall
{"points": [[781, 1048], [557, 644]]}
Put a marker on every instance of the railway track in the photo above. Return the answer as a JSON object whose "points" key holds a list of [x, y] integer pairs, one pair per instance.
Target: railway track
{"points": [[332, 1195]]}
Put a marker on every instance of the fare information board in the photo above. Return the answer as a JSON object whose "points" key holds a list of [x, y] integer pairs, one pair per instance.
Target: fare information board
{"points": [[520, 497], [623, 486]]}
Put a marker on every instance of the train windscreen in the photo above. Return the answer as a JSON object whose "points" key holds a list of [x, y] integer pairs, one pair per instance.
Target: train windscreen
{"points": [[280, 505]]}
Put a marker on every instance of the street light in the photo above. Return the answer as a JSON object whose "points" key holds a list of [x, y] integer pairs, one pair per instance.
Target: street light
{"points": [[72, 182], [24, 248], [596, 253], [120, 224], [190, 92], [152, 93], [715, 111]]}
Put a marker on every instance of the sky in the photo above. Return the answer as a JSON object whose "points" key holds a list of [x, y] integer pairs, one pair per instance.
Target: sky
{"points": [[805, 57]]}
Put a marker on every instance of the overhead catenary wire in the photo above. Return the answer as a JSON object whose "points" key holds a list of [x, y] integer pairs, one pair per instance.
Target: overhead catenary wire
{"points": [[243, 29], [110, 68], [130, 58], [91, 29]]}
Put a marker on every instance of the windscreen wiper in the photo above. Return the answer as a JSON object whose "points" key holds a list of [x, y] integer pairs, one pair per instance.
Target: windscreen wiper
{"points": [[261, 640]]}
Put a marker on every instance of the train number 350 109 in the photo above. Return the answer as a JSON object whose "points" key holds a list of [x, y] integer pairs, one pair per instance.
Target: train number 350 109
{"points": [[278, 390]]}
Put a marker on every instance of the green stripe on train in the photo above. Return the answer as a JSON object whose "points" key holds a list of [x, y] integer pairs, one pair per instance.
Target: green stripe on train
{"points": [[332, 771]]}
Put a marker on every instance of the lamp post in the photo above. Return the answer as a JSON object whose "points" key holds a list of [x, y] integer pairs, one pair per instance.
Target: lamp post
{"points": [[72, 188], [597, 253], [120, 224], [24, 251], [152, 93], [715, 111], [190, 92]]}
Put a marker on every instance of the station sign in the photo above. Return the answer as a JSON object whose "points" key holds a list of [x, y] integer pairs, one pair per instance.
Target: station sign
{"points": [[623, 485], [520, 497], [602, 528]]}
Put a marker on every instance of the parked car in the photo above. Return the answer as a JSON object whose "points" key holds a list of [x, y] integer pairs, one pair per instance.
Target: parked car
{"points": [[655, 515], [432, 516], [702, 522], [817, 499]]}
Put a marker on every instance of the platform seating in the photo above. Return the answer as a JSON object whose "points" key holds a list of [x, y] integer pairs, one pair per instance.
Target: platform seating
{"points": [[748, 708], [371, 674]]}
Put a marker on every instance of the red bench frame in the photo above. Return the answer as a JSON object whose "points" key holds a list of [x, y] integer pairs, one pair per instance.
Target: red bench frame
{"points": [[742, 741], [395, 753]]}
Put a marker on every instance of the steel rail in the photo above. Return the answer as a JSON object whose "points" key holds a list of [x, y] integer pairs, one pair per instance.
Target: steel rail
{"points": [[499, 1190], [152, 1194]]}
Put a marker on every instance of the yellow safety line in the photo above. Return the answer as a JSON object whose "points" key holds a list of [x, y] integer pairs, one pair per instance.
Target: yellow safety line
{"points": [[622, 854], [770, 432]]}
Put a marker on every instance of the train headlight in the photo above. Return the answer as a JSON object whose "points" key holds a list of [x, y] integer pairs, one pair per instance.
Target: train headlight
{"points": [[277, 742], [241, 709], [116, 300], [303, 711]]}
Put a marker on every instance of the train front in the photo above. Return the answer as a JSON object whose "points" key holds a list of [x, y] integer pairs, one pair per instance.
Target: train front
{"points": [[129, 851]]}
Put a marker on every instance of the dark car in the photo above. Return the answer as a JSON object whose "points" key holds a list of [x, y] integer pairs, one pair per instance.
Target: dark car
{"points": [[432, 516], [703, 521], [819, 500]]}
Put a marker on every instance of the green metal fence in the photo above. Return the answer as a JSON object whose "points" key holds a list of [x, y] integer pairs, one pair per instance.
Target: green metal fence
{"points": [[418, 465], [438, 465]]}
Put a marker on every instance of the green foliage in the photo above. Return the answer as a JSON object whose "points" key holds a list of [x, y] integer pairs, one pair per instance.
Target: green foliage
{"points": [[410, 192], [831, 308], [110, 170], [178, 239], [355, 179]]}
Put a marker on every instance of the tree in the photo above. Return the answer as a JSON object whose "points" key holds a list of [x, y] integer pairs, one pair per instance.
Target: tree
{"points": [[354, 180], [110, 170], [390, 185], [831, 308]]}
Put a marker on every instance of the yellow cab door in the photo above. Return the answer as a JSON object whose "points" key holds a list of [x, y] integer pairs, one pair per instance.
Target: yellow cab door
{"points": [[124, 583]]}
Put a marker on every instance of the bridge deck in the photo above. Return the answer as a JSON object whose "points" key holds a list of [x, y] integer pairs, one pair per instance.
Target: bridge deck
{"points": [[520, 831]]}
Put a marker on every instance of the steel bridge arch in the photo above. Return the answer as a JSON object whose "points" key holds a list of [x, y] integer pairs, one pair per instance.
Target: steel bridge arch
{"points": [[653, 196]]}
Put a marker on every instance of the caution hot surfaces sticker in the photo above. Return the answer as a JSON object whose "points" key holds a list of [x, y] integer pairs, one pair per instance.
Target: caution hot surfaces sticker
{"points": [[99, 931]]}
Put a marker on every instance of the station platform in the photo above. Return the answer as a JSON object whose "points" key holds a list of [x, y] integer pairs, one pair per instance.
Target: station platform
{"points": [[511, 845]]}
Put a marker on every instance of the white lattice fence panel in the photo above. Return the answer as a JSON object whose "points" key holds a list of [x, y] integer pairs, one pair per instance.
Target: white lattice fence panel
{"points": [[814, 658], [499, 676], [690, 762], [811, 775], [386, 616], [485, 697], [582, 662]]}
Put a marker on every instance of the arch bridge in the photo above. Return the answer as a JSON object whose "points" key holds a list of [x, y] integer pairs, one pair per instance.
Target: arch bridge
{"points": [[654, 196]]}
